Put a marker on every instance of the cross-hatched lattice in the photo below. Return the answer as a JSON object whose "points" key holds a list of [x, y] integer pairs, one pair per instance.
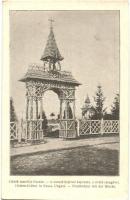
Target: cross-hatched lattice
{"points": [[71, 125], [107, 126], [95, 126], [85, 127], [38, 91], [115, 126], [13, 131], [62, 125], [35, 128]]}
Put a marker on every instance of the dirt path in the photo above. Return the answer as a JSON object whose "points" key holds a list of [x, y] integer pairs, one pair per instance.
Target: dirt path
{"points": [[53, 144]]}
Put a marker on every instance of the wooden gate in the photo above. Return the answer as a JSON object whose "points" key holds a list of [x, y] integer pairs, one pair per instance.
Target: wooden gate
{"points": [[67, 128], [34, 130]]}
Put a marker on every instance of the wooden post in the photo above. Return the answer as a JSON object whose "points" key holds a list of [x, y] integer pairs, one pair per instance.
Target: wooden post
{"points": [[36, 132], [66, 109], [101, 126], [31, 119], [27, 107], [66, 117], [111, 127], [36, 108], [78, 125], [74, 109], [90, 126], [26, 136], [75, 121], [41, 108], [61, 108], [31, 108], [18, 131]]}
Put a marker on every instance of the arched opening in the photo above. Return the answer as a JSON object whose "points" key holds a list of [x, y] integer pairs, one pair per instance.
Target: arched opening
{"points": [[51, 108], [51, 104], [50, 111]]}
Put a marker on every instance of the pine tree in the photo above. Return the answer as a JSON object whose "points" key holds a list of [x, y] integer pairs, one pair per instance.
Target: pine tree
{"points": [[13, 117], [99, 101], [115, 107], [45, 122]]}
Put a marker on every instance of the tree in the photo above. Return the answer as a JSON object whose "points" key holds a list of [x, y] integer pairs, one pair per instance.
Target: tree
{"points": [[45, 121], [58, 116], [115, 107], [99, 103], [13, 117], [69, 112], [52, 114]]}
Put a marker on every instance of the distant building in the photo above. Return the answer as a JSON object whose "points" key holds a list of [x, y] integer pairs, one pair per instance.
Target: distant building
{"points": [[88, 111]]}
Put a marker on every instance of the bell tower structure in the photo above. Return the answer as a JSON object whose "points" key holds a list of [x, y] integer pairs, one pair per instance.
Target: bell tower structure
{"points": [[49, 76]]}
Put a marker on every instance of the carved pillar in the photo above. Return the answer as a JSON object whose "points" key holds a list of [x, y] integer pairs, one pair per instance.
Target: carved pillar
{"points": [[27, 110], [31, 107], [61, 102], [27, 106], [68, 128], [66, 109], [73, 102], [41, 108], [31, 118], [36, 108], [74, 109]]}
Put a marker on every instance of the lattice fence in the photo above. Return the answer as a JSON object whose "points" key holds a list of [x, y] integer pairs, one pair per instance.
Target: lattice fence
{"points": [[30, 130], [88, 127], [13, 130]]}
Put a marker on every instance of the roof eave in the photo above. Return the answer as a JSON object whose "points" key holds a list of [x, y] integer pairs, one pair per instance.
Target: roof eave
{"points": [[26, 79]]}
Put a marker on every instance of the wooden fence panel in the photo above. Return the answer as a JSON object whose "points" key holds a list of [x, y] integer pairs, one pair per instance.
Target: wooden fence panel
{"points": [[88, 127]]}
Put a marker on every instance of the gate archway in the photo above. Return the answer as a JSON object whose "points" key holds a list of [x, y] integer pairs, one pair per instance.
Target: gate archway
{"points": [[49, 76], [51, 105]]}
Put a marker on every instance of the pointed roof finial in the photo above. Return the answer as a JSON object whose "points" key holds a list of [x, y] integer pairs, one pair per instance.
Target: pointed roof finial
{"points": [[51, 23], [87, 100], [51, 51]]}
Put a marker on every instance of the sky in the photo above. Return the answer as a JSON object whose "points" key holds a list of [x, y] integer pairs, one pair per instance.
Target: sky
{"points": [[88, 41]]}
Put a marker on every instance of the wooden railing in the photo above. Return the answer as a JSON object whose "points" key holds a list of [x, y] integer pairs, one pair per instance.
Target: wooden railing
{"points": [[13, 130], [31, 130], [88, 127]]}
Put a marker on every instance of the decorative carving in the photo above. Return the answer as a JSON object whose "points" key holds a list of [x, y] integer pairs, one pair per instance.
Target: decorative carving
{"points": [[68, 94], [35, 90]]}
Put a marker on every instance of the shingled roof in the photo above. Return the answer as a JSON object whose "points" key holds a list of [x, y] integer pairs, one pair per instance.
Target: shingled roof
{"points": [[35, 73], [51, 50], [50, 75]]}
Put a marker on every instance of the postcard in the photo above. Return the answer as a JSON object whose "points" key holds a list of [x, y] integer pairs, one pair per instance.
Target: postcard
{"points": [[65, 100]]}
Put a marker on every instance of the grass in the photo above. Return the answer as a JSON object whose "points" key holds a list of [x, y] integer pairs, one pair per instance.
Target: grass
{"points": [[77, 161]]}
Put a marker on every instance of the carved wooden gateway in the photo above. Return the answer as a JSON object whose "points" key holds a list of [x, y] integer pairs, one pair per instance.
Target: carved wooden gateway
{"points": [[49, 76]]}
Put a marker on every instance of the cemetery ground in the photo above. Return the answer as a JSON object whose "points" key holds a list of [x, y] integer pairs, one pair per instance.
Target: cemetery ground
{"points": [[88, 156]]}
